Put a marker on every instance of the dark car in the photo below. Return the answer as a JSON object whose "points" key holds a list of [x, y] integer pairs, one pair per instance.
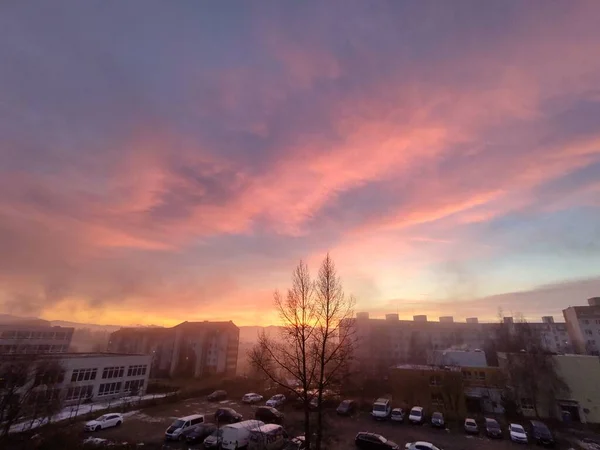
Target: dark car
{"points": [[217, 395], [268, 415], [492, 429], [437, 420], [198, 433], [541, 434], [346, 408], [227, 415], [372, 441]]}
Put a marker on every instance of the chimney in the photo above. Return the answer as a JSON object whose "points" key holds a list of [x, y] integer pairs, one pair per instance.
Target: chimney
{"points": [[392, 317], [362, 315], [472, 320], [420, 318], [594, 301], [447, 319], [508, 320], [548, 319]]}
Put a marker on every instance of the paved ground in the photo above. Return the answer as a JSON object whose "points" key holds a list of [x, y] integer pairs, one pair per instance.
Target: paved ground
{"points": [[148, 427]]}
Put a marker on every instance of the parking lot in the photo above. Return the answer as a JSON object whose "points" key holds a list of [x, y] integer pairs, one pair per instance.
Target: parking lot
{"points": [[148, 427]]}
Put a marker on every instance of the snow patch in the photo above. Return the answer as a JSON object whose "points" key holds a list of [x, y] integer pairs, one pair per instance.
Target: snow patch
{"points": [[94, 440]]}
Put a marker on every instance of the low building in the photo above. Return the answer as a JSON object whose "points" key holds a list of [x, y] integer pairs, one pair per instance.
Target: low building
{"points": [[451, 390], [189, 349], [580, 396], [19, 337], [80, 377], [460, 358]]}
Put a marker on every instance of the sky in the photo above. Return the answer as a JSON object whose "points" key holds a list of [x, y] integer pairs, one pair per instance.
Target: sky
{"points": [[171, 161]]}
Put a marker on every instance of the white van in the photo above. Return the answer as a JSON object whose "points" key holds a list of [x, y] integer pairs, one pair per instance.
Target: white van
{"points": [[382, 408], [183, 423], [236, 435], [268, 437]]}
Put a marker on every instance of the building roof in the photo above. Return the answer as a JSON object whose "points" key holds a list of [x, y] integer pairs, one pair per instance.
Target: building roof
{"points": [[14, 356]]}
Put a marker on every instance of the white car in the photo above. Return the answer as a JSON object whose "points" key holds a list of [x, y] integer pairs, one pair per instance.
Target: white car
{"points": [[420, 445], [252, 398], [416, 415], [105, 421], [397, 415], [517, 433], [276, 401]]}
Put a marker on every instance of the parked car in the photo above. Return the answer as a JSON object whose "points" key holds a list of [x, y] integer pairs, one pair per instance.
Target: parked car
{"points": [[105, 421], [296, 443], [397, 415], [268, 415], [382, 408], [540, 433], [492, 429], [276, 401], [416, 415], [517, 433], [237, 435], [214, 440], [227, 415], [198, 433], [267, 437], [372, 441], [420, 445], [346, 408], [437, 420], [252, 397], [471, 426], [589, 444], [180, 425], [217, 395]]}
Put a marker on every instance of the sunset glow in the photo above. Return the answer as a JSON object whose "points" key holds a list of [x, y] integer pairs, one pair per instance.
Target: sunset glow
{"points": [[169, 162]]}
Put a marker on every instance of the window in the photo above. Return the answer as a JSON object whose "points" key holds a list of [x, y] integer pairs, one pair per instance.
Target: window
{"points": [[79, 392], [436, 398], [134, 371], [467, 374], [586, 322], [109, 389], [481, 375], [527, 403], [113, 372], [48, 377], [197, 420], [597, 321], [83, 375], [133, 385], [588, 332]]}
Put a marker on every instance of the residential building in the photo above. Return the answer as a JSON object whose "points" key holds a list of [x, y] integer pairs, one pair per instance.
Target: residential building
{"points": [[581, 398], [451, 390], [189, 349], [88, 376], [19, 337], [383, 343], [460, 358], [583, 325]]}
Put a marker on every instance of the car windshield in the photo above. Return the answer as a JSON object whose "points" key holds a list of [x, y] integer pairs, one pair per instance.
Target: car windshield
{"points": [[470, 422], [178, 423], [517, 428], [378, 407], [493, 424], [437, 415], [104, 417], [415, 412], [396, 412], [217, 433]]}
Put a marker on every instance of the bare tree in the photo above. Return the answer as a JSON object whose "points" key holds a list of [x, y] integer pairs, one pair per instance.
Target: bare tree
{"points": [[452, 391], [334, 332], [29, 389], [291, 360]]}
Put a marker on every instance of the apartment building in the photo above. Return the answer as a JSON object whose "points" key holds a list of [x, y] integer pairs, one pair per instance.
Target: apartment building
{"points": [[189, 349], [24, 338], [382, 343], [583, 325], [80, 377]]}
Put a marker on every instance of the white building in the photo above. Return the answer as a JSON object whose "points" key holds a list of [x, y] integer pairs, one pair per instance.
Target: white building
{"points": [[22, 338], [583, 325], [89, 376]]}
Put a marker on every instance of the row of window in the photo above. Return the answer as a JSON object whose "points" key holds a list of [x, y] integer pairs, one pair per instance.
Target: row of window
{"points": [[587, 322], [83, 375], [590, 332], [33, 348], [133, 386], [79, 392], [109, 389], [467, 375], [113, 372], [15, 334], [134, 371]]}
